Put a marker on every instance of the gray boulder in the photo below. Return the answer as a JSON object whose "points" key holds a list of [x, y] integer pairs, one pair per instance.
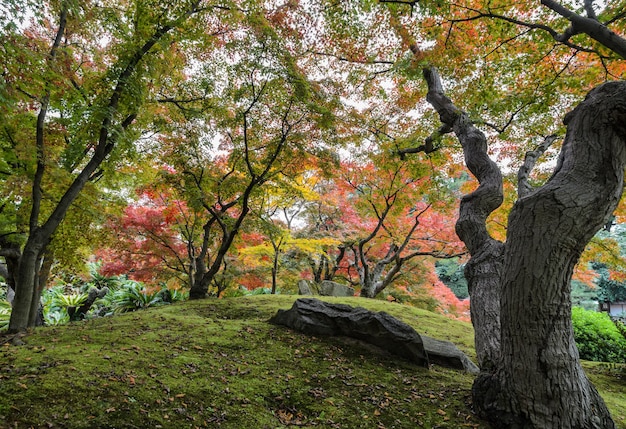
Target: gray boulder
{"points": [[315, 317], [304, 288], [329, 288], [445, 353]]}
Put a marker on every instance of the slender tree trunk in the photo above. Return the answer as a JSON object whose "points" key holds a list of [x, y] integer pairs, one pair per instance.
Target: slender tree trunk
{"points": [[275, 274], [204, 279]]}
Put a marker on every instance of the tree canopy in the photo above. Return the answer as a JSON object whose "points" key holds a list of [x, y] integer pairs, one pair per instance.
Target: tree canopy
{"points": [[208, 144]]}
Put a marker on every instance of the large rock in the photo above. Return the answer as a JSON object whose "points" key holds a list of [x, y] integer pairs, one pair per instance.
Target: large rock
{"points": [[444, 353], [328, 288], [304, 288], [315, 317]]}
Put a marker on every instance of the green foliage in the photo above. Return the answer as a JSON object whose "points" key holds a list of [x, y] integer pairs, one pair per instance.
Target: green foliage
{"points": [[597, 337], [5, 314], [100, 281], [417, 300], [55, 318], [133, 296], [51, 298], [172, 295], [609, 290], [115, 295], [584, 296], [243, 291], [450, 272]]}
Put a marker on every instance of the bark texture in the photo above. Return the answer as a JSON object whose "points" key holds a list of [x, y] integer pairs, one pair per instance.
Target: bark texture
{"points": [[542, 382], [531, 375]]}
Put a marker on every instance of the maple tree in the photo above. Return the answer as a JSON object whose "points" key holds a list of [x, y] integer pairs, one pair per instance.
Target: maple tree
{"points": [[276, 217], [398, 222], [323, 220], [379, 213], [153, 241], [83, 92], [267, 118]]}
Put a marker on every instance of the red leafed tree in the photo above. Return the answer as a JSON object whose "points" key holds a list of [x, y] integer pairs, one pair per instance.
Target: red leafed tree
{"points": [[380, 212], [153, 240]]}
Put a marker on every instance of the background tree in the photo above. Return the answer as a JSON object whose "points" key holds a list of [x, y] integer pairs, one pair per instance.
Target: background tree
{"points": [[277, 218], [269, 118], [154, 240], [400, 221]]}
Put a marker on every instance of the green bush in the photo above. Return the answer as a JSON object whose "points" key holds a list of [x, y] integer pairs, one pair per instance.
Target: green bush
{"points": [[597, 337], [5, 314], [451, 273], [133, 296]]}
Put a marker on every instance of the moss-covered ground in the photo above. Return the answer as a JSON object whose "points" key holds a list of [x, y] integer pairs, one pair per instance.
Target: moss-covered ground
{"points": [[219, 364]]}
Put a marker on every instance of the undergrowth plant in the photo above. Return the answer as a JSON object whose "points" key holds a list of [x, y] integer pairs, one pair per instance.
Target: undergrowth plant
{"points": [[5, 314], [597, 337]]}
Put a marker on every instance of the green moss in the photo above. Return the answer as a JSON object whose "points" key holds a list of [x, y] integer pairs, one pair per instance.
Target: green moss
{"points": [[218, 363]]}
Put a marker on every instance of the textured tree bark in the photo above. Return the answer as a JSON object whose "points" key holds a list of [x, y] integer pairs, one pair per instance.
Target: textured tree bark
{"points": [[540, 372], [531, 375]]}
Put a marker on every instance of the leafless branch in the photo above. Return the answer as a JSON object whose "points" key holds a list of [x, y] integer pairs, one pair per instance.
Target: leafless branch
{"points": [[353, 60], [523, 187]]}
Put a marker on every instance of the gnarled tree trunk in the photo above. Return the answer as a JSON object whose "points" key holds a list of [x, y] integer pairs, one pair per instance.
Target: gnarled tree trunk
{"points": [[540, 375], [531, 375]]}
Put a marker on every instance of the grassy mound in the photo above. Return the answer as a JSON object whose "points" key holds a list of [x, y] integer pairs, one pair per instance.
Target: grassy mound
{"points": [[218, 363]]}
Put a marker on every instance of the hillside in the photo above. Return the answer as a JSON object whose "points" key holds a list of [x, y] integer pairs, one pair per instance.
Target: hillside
{"points": [[218, 363]]}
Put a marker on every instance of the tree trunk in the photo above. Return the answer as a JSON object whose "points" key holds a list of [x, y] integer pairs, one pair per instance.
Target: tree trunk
{"points": [[275, 271], [200, 288], [197, 290], [367, 290], [531, 375], [27, 291], [541, 382], [25, 287]]}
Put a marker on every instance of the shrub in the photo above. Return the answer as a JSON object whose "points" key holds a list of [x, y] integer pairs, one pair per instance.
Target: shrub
{"points": [[132, 296], [451, 273], [58, 317], [597, 337], [5, 314]]}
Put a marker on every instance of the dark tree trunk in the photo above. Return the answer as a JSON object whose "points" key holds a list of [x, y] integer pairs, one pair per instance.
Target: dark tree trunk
{"points": [[205, 277], [484, 269], [520, 291], [275, 270], [540, 377]]}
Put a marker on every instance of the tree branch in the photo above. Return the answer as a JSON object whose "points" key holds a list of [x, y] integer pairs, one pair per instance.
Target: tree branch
{"points": [[9, 252], [523, 187], [563, 38], [475, 207], [588, 25], [37, 191]]}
